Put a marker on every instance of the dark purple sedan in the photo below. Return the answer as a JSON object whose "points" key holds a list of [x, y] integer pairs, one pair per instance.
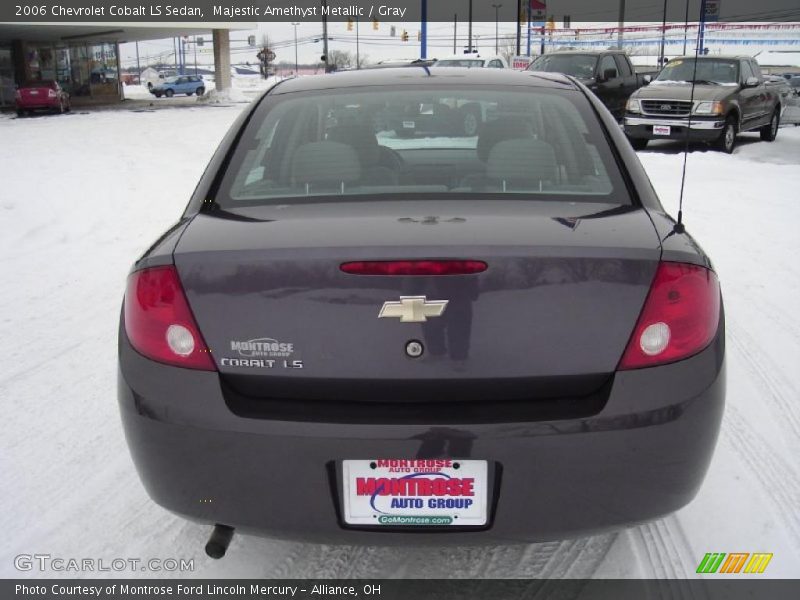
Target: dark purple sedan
{"points": [[370, 328]]}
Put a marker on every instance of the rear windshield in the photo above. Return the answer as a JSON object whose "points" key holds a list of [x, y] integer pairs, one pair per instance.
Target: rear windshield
{"points": [[577, 65], [459, 62], [523, 142], [40, 84]]}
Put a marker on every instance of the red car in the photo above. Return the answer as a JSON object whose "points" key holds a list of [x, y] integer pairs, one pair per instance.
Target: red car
{"points": [[41, 95]]}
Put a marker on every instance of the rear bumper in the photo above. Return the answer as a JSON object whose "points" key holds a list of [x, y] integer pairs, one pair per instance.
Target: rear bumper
{"points": [[699, 129], [44, 104], [644, 454]]}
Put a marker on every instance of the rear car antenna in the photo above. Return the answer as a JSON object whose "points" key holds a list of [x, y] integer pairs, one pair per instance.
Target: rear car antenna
{"points": [[679, 227]]}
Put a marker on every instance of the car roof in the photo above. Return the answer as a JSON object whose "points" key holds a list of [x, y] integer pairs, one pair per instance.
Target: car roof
{"points": [[578, 51], [715, 56], [400, 76], [469, 57]]}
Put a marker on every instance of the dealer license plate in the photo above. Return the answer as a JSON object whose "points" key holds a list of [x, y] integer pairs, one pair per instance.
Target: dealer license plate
{"points": [[661, 129], [415, 492]]}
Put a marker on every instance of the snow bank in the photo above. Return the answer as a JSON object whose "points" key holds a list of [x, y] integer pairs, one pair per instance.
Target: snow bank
{"points": [[230, 96]]}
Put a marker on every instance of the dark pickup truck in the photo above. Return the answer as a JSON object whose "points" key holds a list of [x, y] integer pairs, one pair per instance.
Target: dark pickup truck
{"points": [[730, 96], [609, 74]]}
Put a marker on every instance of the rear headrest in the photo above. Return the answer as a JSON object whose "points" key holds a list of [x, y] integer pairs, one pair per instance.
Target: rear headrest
{"points": [[325, 162], [361, 138], [522, 160], [501, 129]]}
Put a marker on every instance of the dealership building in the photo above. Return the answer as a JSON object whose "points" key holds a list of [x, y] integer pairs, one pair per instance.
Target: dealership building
{"points": [[84, 57]]}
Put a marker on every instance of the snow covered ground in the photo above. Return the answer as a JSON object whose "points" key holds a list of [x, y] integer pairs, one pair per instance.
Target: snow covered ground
{"points": [[247, 86], [82, 195]]}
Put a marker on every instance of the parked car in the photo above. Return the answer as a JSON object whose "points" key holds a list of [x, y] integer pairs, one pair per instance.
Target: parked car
{"points": [[181, 84], [608, 73], [729, 96], [361, 339], [472, 61], [41, 95], [788, 98]]}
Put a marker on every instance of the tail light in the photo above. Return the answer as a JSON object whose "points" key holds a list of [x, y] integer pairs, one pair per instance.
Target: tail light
{"points": [[414, 267], [17, 94], [51, 93], [679, 318], [159, 323]]}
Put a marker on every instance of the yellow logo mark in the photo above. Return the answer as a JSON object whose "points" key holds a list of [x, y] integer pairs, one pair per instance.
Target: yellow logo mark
{"points": [[758, 562]]}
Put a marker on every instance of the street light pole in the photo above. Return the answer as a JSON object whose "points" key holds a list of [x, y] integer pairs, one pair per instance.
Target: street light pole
{"points": [[496, 30], [295, 47]]}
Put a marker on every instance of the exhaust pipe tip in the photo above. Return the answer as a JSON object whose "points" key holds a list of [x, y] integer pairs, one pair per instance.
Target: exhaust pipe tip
{"points": [[220, 539]]}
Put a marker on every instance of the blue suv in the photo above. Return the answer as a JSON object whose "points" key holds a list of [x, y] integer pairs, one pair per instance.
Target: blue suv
{"points": [[182, 84]]}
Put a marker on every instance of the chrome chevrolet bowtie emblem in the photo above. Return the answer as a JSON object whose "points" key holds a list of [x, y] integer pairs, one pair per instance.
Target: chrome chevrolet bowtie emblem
{"points": [[413, 309]]}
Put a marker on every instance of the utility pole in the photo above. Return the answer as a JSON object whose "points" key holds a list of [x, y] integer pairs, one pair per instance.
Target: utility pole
{"points": [[685, 27], [423, 31], [621, 23], [295, 47], [358, 54], [325, 35], [195, 55], [519, 26], [138, 66], [496, 27], [455, 30], [663, 36], [469, 30]]}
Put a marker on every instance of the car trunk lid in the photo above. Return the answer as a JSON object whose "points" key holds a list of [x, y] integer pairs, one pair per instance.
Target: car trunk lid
{"points": [[562, 291]]}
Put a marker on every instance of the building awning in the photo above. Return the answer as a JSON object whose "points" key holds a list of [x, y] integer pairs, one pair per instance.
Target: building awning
{"points": [[109, 32]]}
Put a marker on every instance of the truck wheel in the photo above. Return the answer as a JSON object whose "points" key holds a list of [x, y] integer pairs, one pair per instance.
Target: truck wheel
{"points": [[770, 132], [158, 94], [471, 121], [169, 93], [727, 139], [20, 113], [201, 90], [638, 143]]}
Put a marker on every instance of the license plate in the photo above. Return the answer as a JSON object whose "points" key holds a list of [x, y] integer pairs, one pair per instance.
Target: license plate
{"points": [[415, 492], [661, 129]]}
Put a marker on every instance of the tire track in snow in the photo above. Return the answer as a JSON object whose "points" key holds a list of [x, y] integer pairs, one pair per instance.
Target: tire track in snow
{"points": [[779, 391], [571, 558], [778, 478], [664, 546]]}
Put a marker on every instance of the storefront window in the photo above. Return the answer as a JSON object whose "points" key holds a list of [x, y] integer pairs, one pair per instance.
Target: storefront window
{"points": [[6, 76], [79, 70], [41, 62], [104, 72], [62, 67]]}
